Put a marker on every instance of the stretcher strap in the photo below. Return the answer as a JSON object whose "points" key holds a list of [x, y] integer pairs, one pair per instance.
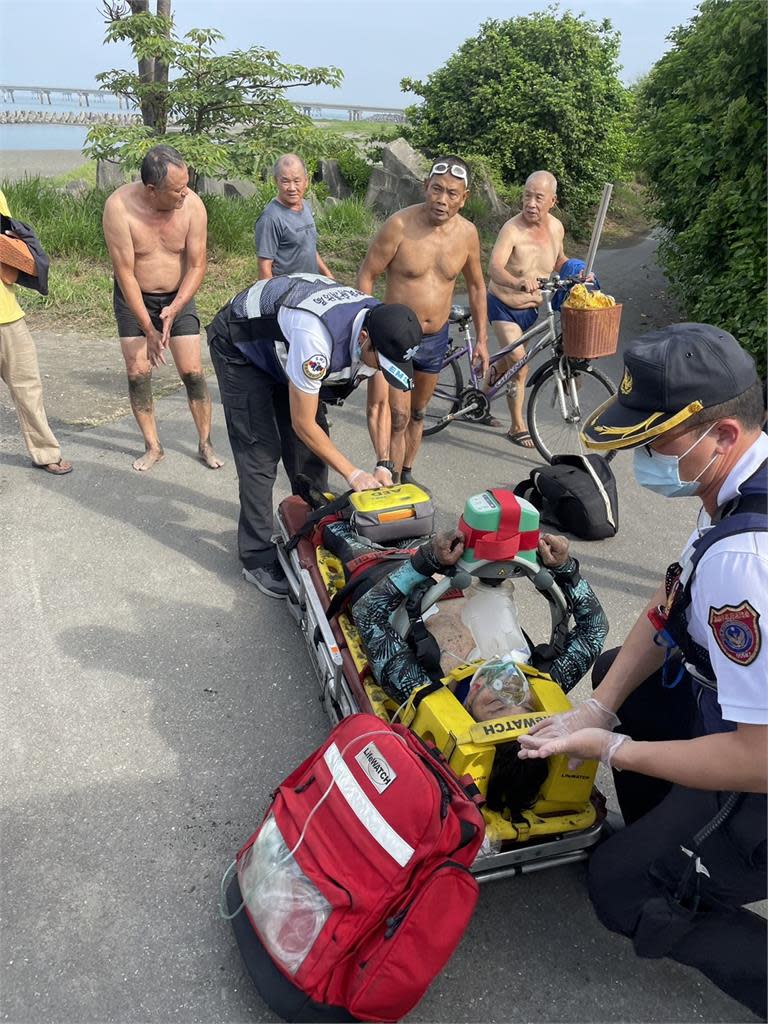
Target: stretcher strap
{"points": [[317, 518], [354, 565], [505, 542]]}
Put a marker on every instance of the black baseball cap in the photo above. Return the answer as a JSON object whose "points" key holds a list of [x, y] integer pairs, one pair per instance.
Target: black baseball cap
{"points": [[395, 334], [670, 375]]}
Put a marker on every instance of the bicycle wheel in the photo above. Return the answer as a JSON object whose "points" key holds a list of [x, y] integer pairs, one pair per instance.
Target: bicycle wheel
{"points": [[550, 432], [449, 386]]}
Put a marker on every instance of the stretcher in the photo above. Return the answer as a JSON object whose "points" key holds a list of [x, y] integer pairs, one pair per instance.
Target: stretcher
{"points": [[566, 818]]}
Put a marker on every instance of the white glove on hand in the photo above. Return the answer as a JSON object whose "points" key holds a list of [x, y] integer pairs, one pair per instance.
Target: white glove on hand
{"points": [[611, 744], [590, 715], [360, 480], [383, 475], [589, 744]]}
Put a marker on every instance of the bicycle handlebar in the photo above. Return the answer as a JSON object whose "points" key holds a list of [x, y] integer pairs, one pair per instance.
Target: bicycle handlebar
{"points": [[554, 282]]}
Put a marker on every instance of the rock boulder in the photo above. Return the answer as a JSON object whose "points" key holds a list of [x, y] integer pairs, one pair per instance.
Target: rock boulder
{"points": [[110, 175], [398, 180], [329, 174]]}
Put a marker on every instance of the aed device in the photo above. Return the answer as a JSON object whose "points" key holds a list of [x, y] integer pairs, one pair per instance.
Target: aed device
{"points": [[385, 514]]}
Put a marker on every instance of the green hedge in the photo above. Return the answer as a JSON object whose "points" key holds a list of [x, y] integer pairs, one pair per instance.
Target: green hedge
{"points": [[702, 145]]}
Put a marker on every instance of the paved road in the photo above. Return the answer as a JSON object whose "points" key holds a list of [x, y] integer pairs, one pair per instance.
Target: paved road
{"points": [[153, 700]]}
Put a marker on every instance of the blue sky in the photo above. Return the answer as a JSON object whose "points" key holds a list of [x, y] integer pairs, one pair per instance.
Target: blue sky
{"points": [[374, 42]]}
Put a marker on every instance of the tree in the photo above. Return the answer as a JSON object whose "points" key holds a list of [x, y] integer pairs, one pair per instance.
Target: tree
{"points": [[150, 71], [227, 114], [702, 145], [540, 91]]}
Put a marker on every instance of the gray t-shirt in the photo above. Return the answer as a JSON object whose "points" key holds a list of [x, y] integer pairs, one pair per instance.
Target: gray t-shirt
{"points": [[288, 238]]}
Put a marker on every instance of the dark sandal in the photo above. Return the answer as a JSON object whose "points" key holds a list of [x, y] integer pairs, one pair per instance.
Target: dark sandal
{"points": [[59, 468], [519, 438]]}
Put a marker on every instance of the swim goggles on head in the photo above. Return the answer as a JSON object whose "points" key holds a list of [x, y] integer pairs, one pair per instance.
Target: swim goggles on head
{"points": [[455, 169]]}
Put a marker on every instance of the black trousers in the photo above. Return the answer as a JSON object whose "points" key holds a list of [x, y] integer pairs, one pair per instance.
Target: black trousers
{"points": [[635, 876], [257, 412]]}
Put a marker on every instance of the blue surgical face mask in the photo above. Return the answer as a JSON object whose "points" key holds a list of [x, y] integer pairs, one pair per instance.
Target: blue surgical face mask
{"points": [[661, 473]]}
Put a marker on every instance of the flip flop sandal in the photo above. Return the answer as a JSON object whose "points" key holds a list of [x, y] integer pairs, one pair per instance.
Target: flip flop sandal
{"points": [[519, 438], [59, 468]]}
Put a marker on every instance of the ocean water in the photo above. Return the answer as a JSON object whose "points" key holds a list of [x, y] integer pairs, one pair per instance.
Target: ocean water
{"points": [[49, 136], [41, 136], [71, 137]]}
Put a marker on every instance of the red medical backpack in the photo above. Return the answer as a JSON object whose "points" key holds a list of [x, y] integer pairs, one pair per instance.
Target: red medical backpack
{"points": [[356, 888]]}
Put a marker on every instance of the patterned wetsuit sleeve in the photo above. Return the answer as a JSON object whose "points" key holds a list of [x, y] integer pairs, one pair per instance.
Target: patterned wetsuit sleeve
{"points": [[342, 540], [586, 639], [392, 661]]}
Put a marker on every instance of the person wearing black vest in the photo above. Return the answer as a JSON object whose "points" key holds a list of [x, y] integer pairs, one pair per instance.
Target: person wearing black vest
{"points": [[689, 687], [282, 349]]}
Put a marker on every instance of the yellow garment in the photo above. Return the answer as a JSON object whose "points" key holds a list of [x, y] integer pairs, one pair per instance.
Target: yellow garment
{"points": [[10, 310], [582, 298]]}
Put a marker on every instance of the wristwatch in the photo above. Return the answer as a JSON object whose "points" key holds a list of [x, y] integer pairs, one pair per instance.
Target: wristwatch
{"points": [[386, 464]]}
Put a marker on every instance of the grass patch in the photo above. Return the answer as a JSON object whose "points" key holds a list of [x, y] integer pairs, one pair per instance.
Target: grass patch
{"points": [[361, 129], [85, 172]]}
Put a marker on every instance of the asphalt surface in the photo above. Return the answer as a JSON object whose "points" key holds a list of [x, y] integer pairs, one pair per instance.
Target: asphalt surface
{"points": [[153, 699]]}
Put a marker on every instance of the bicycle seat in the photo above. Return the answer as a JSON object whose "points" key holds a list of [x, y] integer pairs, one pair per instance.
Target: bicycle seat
{"points": [[459, 315]]}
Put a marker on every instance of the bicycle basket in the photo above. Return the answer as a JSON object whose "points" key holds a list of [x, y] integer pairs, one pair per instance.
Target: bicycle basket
{"points": [[590, 333]]}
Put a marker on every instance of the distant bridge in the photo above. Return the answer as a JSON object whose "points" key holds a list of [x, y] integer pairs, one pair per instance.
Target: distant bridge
{"points": [[44, 94]]}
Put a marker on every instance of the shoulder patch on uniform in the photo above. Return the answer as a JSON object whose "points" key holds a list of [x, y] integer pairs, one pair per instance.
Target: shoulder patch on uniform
{"points": [[736, 629], [314, 368]]}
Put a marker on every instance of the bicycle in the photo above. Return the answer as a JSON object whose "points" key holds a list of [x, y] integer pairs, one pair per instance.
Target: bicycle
{"points": [[564, 391]]}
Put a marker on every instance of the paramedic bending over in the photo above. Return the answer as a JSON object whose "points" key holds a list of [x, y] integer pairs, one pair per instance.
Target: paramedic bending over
{"points": [[282, 349]]}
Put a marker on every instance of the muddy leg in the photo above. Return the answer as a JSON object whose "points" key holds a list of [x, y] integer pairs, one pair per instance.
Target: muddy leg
{"points": [[186, 354], [140, 393]]}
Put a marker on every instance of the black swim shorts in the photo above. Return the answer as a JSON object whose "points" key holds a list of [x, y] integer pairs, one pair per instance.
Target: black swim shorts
{"points": [[187, 321]]}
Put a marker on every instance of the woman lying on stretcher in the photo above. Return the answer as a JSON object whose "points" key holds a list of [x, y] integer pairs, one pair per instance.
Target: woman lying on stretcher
{"points": [[397, 669]]}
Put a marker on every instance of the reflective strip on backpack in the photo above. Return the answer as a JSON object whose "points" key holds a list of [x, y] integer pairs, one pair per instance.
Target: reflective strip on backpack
{"points": [[601, 491], [364, 810]]}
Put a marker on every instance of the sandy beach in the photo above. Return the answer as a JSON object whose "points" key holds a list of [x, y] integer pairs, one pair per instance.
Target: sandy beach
{"points": [[15, 163]]}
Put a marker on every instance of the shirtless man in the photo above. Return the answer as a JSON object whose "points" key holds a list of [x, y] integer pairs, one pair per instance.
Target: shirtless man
{"points": [[423, 249], [529, 246], [156, 233]]}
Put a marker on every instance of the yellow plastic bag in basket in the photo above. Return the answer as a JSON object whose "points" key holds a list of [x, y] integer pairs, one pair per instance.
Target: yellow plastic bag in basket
{"points": [[581, 297]]}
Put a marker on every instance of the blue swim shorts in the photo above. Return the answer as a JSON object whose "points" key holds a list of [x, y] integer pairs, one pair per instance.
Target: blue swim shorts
{"points": [[524, 318], [431, 352]]}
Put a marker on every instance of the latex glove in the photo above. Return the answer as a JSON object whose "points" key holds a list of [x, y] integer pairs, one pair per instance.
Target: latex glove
{"points": [[591, 714], [383, 475], [582, 745], [360, 480]]}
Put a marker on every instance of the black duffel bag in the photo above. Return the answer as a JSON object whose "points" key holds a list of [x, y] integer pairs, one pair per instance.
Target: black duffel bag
{"points": [[578, 492]]}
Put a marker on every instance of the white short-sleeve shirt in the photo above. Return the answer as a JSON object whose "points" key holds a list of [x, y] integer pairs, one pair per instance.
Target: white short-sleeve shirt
{"points": [[307, 357], [728, 614]]}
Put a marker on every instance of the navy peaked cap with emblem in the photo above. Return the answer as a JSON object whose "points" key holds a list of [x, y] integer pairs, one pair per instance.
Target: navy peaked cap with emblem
{"points": [[670, 375], [395, 333]]}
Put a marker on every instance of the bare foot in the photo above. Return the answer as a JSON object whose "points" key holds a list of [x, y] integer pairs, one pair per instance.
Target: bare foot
{"points": [[209, 456], [148, 459]]}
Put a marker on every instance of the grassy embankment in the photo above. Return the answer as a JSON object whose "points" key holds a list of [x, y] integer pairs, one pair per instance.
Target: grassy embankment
{"points": [[80, 297]]}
